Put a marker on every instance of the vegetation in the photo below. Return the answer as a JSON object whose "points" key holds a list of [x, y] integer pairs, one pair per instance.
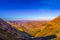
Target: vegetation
{"points": [[36, 30], [53, 27]]}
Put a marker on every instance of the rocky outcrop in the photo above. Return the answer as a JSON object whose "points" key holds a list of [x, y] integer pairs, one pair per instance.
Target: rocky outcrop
{"points": [[7, 32]]}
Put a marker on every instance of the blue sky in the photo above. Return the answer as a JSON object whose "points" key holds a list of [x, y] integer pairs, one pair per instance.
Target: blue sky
{"points": [[29, 9]]}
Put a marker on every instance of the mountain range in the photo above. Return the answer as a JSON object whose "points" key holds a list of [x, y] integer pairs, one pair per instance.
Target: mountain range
{"points": [[30, 30]]}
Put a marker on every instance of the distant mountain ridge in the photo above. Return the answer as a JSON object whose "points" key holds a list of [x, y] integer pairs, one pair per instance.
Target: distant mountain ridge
{"points": [[28, 26], [45, 30]]}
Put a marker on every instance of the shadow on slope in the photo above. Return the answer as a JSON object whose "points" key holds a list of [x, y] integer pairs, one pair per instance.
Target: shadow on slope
{"points": [[46, 37]]}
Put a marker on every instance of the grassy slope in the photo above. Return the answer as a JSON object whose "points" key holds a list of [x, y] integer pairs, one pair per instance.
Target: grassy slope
{"points": [[51, 28]]}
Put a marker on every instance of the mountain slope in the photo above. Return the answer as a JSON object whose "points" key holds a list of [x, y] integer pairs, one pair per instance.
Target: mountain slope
{"points": [[52, 27], [7, 32], [14, 24], [31, 27]]}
